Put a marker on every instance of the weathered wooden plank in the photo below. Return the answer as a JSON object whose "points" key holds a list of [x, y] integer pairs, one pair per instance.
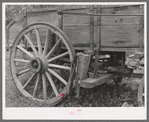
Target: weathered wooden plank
{"points": [[127, 35], [48, 17], [120, 35], [15, 29], [92, 82], [121, 27], [80, 34], [119, 20], [136, 9], [120, 49], [76, 19]]}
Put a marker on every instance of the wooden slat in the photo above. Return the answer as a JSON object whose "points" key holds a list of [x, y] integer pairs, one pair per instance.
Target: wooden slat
{"points": [[47, 42], [25, 51], [44, 87], [38, 42], [59, 56], [21, 60], [53, 49], [22, 72], [31, 44], [59, 66], [30, 79], [36, 85], [52, 83], [57, 75]]}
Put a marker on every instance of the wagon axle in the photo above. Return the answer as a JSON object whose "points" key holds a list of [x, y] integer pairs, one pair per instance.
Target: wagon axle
{"points": [[35, 65]]}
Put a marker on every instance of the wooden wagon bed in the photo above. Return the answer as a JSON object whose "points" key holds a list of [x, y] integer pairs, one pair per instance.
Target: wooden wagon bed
{"points": [[117, 33]]}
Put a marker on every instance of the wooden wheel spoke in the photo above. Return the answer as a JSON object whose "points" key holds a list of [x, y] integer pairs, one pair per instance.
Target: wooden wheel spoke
{"points": [[52, 83], [22, 72], [53, 49], [59, 56], [46, 43], [36, 85], [44, 87], [31, 44], [30, 79], [57, 75], [21, 60], [25, 51], [59, 66], [38, 42]]}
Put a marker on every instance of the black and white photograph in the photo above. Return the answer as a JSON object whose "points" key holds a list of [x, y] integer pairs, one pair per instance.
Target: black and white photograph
{"points": [[74, 59]]}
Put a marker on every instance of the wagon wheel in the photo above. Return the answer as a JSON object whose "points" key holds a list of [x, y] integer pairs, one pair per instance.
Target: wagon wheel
{"points": [[37, 75]]}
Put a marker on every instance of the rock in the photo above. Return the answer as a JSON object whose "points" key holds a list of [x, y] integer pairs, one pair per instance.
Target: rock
{"points": [[111, 82], [138, 71], [131, 55], [139, 54], [142, 62], [125, 104]]}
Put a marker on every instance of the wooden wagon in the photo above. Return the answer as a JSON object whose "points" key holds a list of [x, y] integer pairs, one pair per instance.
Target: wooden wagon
{"points": [[66, 45]]}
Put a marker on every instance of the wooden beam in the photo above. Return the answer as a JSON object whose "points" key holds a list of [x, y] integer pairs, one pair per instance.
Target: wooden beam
{"points": [[92, 29], [98, 43], [92, 82]]}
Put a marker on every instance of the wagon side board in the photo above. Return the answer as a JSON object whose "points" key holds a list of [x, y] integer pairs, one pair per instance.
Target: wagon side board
{"points": [[118, 33]]}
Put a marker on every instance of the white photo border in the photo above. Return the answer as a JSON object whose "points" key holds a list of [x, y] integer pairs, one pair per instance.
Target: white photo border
{"points": [[83, 113]]}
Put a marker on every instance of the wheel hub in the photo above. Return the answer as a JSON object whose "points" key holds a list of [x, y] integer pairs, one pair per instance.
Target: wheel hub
{"points": [[38, 64]]}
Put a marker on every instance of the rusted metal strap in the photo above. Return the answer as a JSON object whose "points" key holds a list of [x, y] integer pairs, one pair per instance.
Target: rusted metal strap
{"points": [[89, 14]]}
